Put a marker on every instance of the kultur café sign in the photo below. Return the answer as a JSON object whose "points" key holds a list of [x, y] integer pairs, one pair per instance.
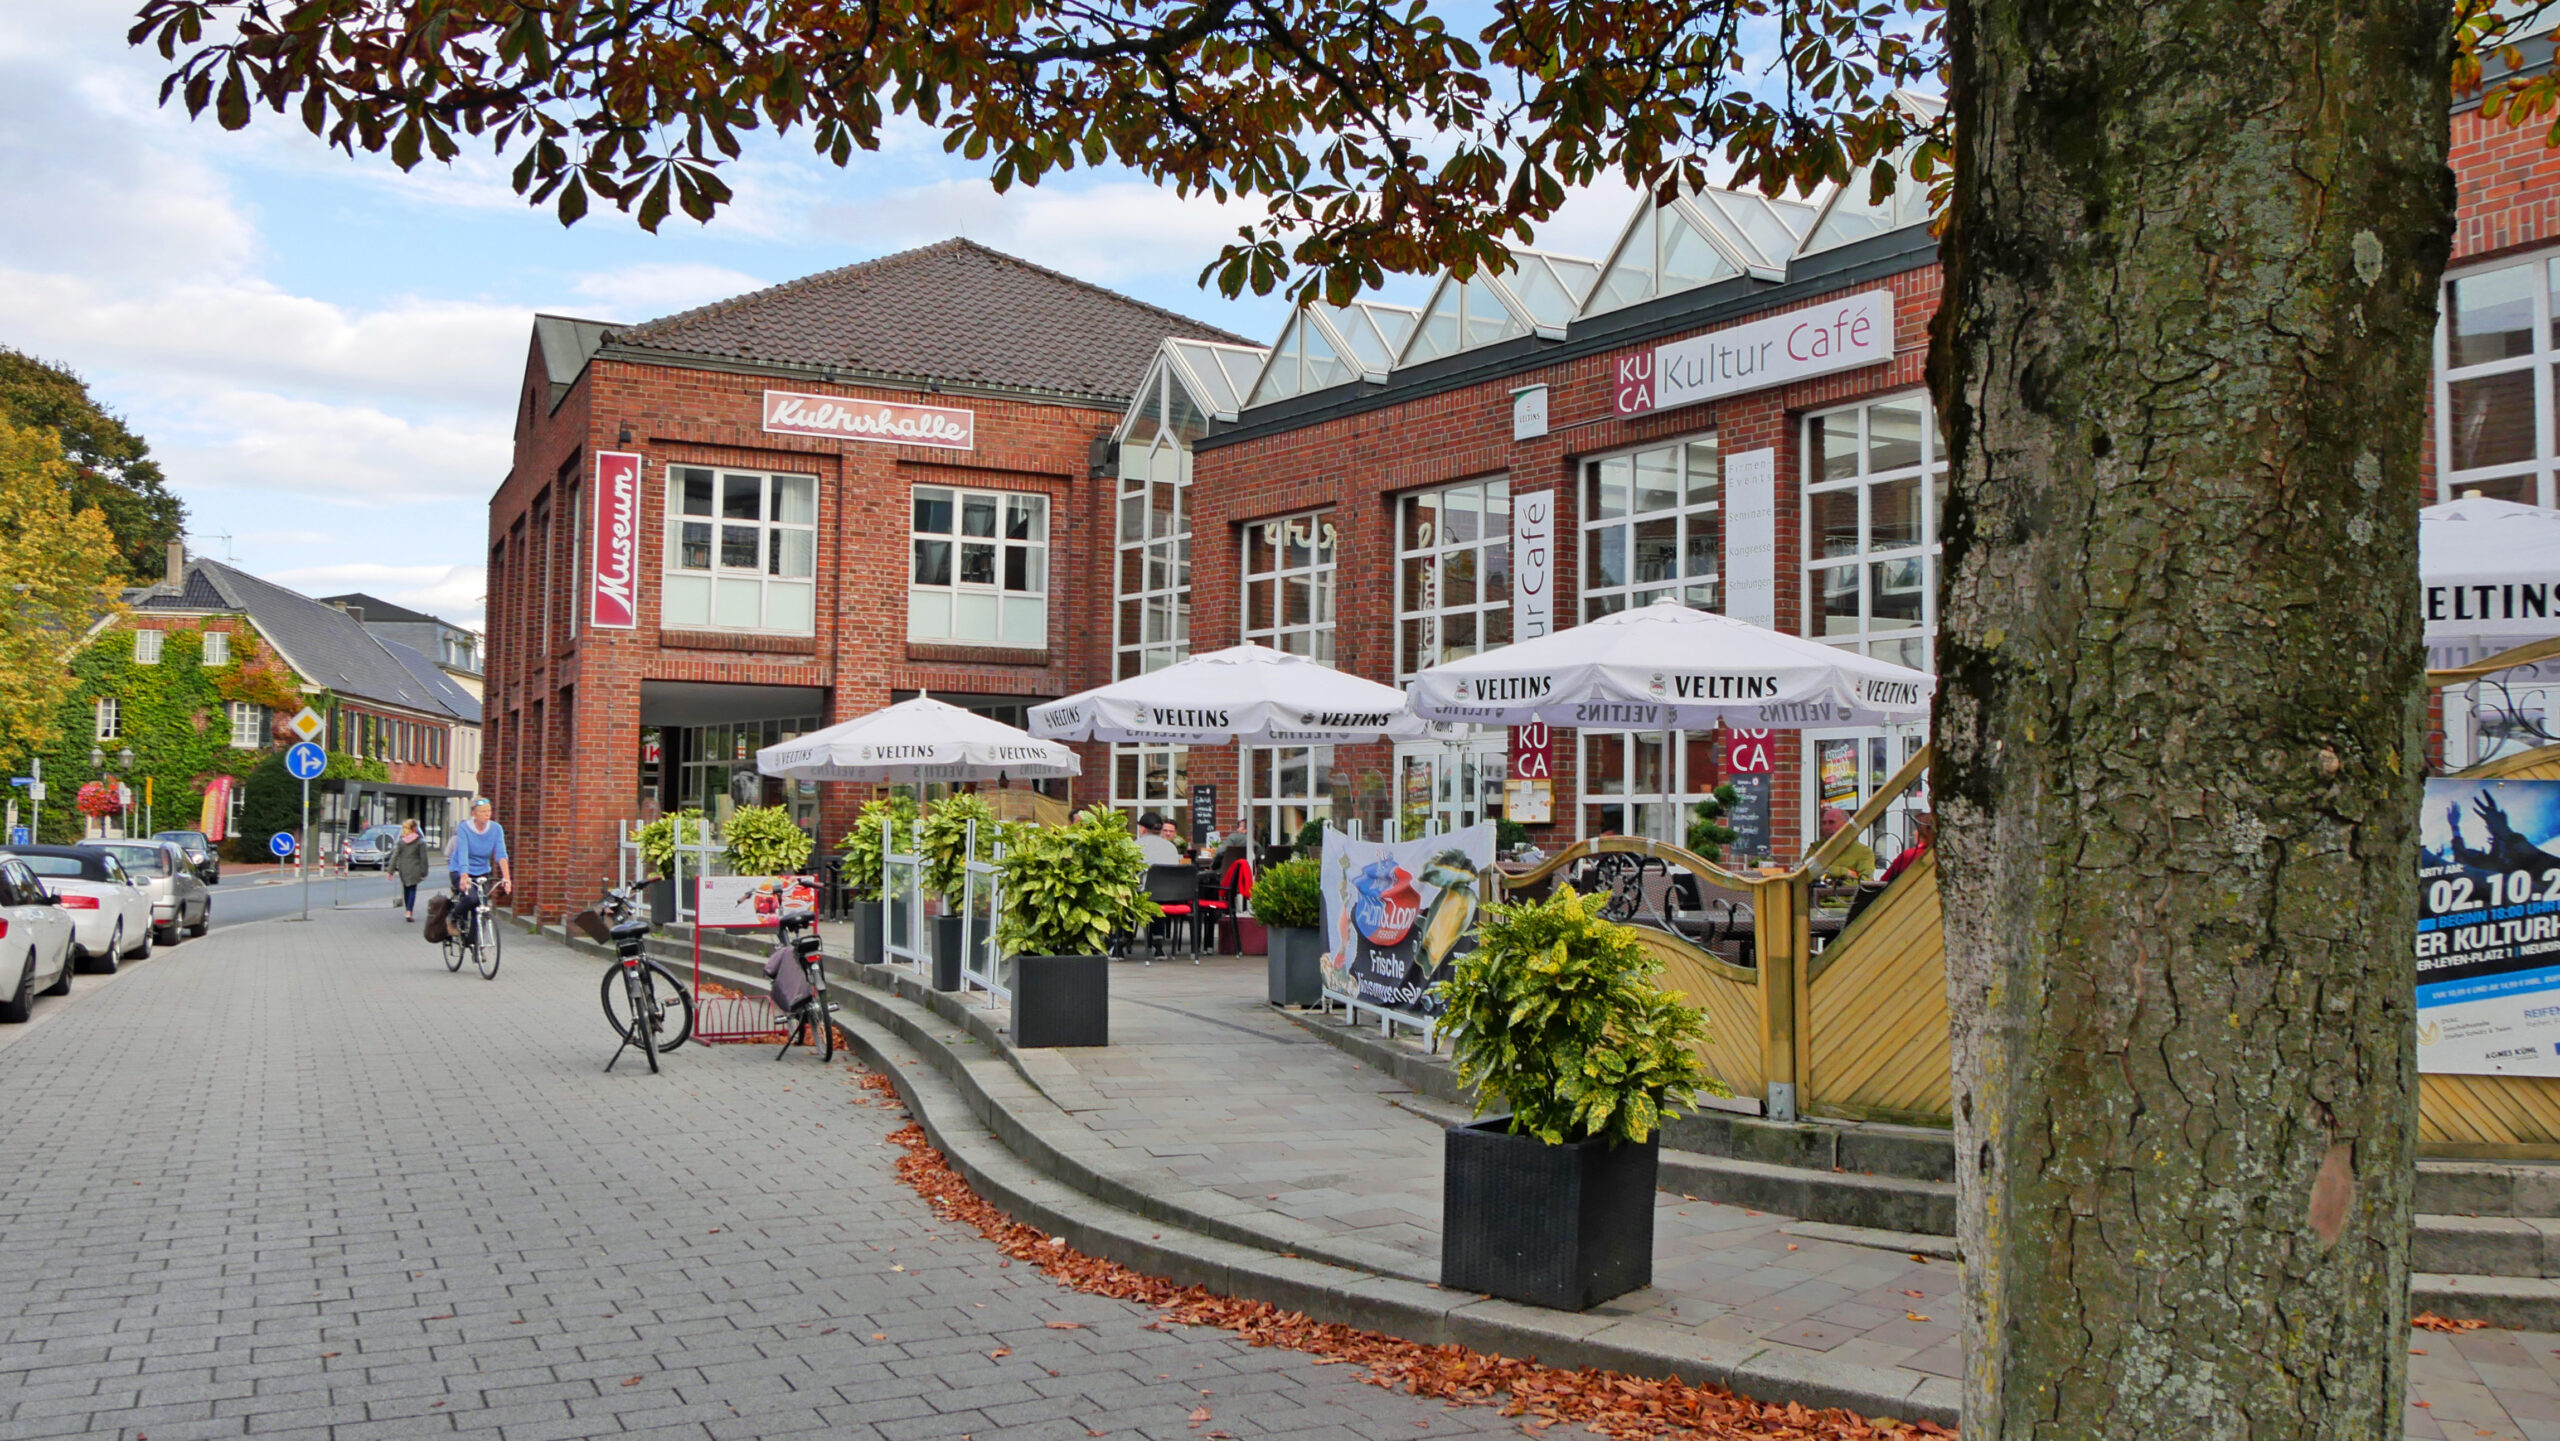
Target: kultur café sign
{"points": [[1833, 336]]}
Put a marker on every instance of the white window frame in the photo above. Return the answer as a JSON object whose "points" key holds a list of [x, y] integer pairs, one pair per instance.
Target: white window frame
{"points": [[1020, 614], [110, 718], [716, 594], [1696, 512], [1869, 564], [217, 647], [1270, 573], [1429, 550], [1684, 764], [147, 645], [1286, 787], [2531, 479], [248, 729]]}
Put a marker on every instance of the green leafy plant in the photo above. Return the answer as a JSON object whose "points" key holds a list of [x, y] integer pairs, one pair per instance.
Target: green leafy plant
{"points": [[1509, 835], [1708, 834], [657, 839], [861, 845], [1557, 1015], [1311, 836], [946, 842], [765, 841], [1069, 889], [1290, 894]]}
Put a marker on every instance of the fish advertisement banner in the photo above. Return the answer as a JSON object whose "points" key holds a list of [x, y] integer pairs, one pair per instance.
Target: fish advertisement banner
{"points": [[1394, 915], [2489, 928]]}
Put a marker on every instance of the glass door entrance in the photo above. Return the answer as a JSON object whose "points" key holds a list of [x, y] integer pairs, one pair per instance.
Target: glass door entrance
{"points": [[1848, 768], [1447, 785]]}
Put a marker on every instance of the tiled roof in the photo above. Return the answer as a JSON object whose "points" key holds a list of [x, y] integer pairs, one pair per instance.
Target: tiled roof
{"points": [[453, 697], [955, 314], [327, 646], [375, 608]]}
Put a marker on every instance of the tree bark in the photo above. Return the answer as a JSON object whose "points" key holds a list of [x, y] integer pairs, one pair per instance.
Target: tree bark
{"points": [[2183, 362]]}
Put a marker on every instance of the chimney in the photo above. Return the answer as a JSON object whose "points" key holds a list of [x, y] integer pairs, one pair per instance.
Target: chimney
{"points": [[177, 577], [355, 613]]}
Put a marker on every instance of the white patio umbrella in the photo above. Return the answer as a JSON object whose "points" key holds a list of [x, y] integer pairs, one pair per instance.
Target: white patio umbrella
{"points": [[1665, 666], [2490, 568], [1247, 693], [917, 740]]}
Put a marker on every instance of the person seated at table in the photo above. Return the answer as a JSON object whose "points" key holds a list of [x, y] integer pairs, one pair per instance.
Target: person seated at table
{"points": [[1155, 842], [1856, 861], [1928, 832]]}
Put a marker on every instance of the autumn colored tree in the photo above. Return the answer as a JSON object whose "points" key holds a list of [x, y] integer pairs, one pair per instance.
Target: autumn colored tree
{"points": [[2193, 253], [61, 579], [112, 470]]}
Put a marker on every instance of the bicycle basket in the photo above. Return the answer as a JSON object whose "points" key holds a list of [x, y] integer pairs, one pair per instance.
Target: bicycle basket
{"points": [[592, 925]]}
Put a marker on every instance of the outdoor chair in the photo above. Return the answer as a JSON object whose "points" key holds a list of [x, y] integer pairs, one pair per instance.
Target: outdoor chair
{"points": [[1176, 890]]}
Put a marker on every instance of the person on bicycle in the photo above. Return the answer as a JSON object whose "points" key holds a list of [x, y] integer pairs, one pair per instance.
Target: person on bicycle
{"points": [[478, 844]]}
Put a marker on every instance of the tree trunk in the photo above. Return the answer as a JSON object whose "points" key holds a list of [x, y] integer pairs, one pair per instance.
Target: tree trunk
{"points": [[2183, 361]]}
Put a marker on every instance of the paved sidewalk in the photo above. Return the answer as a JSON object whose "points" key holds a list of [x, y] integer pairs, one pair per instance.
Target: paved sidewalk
{"points": [[1207, 1086], [296, 1180]]}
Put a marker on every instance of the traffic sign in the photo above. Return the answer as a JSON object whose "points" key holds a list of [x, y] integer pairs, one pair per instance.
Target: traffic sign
{"points": [[22, 780], [36, 792], [307, 724], [20, 835], [281, 844], [305, 761]]}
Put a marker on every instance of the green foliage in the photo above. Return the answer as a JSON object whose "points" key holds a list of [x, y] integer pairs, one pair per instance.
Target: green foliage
{"points": [[111, 467], [946, 842], [657, 839], [861, 845], [1509, 835], [1069, 889], [765, 841], [57, 571], [1708, 834], [1311, 837], [1557, 1015], [1291, 894], [271, 799]]}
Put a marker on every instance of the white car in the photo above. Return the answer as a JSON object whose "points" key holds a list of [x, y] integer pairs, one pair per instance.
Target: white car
{"points": [[35, 941], [110, 907]]}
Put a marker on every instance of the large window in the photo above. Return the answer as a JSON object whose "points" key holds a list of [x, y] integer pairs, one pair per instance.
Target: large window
{"points": [[109, 717], [2497, 345], [248, 725], [1152, 618], [1292, 785], [1653, 526], [146, 647], [981, 568], [1642, 783], [1453, 573], [742, 550], [1288, 583], [1874, 478], [217, 648]]}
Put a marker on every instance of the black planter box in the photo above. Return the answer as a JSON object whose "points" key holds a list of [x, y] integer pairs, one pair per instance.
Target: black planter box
{"points": [[1296, 979], [1061, 1001], [661, 896], [946, 953], [866, 933], [1566, 1227]]}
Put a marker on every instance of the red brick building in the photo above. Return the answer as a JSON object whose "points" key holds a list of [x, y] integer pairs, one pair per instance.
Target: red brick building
{"points": [[785, 510]]}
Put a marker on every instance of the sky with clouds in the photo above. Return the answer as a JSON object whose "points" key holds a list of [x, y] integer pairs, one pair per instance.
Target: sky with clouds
{"points": [[323, 352]]}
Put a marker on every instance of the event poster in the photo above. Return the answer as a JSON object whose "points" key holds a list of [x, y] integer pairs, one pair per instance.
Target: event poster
{"points": [[2489, 928], [751, 902], [1394, 915]]}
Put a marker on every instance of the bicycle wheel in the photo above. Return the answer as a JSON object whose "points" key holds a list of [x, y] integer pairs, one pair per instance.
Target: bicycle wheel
{"points": [[644, 1013], [453, 950], [822, 1011], [486, 950], [674, 1006]]}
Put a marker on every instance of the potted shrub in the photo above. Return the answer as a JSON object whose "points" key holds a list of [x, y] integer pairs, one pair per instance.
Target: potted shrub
{"points": [[864, 867], [1068, 890], [657, 841], [944, 839], [766, 841], [1289, 901], [1557, 1016]]}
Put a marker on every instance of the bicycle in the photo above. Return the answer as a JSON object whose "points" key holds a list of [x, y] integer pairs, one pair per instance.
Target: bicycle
{"points": [[813, 1018], [643, 1001], [466, 935]]}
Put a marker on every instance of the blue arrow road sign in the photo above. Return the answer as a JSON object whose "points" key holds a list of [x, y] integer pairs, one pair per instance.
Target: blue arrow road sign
{"points": [[305, 761], [22, 780], [281, 843], [19, 835]]}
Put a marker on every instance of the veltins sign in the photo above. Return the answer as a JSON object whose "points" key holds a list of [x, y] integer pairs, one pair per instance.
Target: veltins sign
{"points": [[881, 422], [1533, 564], [613, 586], [1837, 335]]}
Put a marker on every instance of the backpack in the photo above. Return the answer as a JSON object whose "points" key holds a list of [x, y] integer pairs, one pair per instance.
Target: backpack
{"points": [[435, 932]]}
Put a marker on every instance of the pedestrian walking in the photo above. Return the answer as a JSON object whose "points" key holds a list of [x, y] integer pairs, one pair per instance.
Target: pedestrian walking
{"points": [[409, 866]]}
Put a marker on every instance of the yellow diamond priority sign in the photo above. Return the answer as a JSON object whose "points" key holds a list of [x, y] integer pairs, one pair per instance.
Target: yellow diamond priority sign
{"points": [[307, 724]]}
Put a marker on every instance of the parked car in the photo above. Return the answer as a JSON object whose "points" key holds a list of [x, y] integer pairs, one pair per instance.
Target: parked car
{"points": [[370, 848], [35, 941], [110, 907], [179, 902], [201, 853]]}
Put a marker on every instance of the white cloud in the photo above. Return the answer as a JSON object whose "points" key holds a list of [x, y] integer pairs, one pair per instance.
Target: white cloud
{"points": [[452, 592], [1108, 231], [644, 292], [257, 441]]}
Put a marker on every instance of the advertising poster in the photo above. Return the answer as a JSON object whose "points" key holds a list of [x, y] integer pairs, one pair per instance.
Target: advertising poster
{"points": [[2489, 928], [1394, 915], [1839, 774], [751, 902]]}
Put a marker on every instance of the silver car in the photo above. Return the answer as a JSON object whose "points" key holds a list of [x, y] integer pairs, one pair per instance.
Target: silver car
{"points": [[370, 849], [179, 901]]}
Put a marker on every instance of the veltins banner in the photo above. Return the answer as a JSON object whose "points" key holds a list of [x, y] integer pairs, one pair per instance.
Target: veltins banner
{"points": [[1394, 914], [2489, 928], [751, 902]]}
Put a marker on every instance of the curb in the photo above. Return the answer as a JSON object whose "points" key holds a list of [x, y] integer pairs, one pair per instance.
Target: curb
{"points": [[966, 1089]]}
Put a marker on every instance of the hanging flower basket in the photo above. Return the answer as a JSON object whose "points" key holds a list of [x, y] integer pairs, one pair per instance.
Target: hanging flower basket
{"points": [[101, 799]]}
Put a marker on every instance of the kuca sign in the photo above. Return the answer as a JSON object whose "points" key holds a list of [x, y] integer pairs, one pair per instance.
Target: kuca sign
{"points": [[1835, 335]]}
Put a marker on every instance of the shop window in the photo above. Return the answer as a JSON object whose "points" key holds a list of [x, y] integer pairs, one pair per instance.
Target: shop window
{"points": [[1642, 783], [1653, 526], [1151, 587], [1288, 583], [1152, 778], [2498, 344], [146, 646], [980, 574], [742, 550], [1875, 479], [217, 647], [248, 725], [1453, 573], [109, 718], [1290, 786]]}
